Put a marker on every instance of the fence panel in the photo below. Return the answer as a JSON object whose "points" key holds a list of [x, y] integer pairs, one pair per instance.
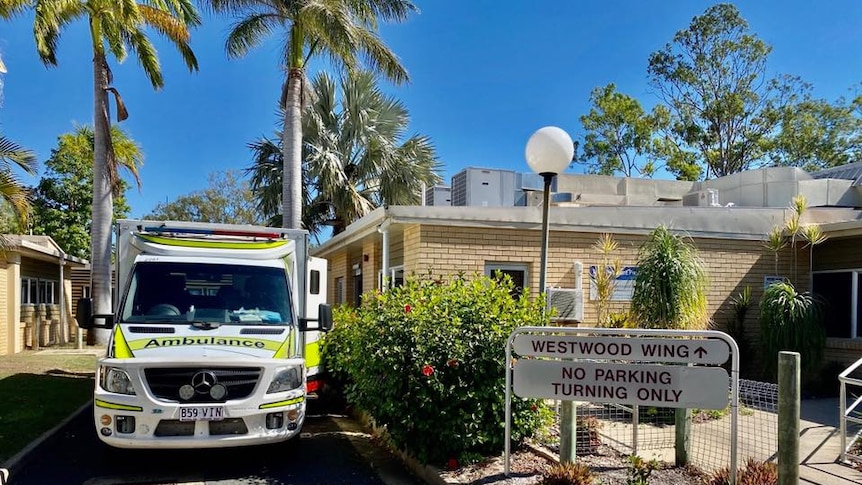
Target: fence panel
{"points": [[649, 431]]}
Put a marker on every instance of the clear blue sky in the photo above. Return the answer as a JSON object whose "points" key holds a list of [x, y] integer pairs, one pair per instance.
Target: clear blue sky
{"points": [[485, 75]]}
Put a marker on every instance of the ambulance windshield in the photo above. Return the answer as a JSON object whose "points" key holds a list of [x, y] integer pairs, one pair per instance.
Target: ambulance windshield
{"points": [[167, 292]]}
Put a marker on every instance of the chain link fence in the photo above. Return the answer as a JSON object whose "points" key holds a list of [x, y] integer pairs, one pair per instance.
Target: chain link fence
{"points": [[650, 431]]}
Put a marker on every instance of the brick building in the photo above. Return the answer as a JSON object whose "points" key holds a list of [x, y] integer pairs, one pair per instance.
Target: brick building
{"points": [[448, 240], [35, 283]]}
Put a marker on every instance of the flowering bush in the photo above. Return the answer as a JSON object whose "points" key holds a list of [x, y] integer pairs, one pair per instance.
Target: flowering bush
{"points": [[426, 360]]}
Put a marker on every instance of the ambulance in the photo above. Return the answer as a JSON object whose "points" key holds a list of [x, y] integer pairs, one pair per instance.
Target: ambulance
{"points": [[213, 338]]}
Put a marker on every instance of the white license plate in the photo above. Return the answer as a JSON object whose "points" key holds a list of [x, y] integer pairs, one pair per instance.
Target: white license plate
{"points": [[202, 413]]}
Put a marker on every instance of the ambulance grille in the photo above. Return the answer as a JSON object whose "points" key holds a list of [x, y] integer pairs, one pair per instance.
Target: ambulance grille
{"points": [[165, 382]]}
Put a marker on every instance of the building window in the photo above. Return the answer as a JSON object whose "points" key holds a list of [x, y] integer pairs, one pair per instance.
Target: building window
{"points": [[516, 271], [34, 291], [840, 292], [339, 290], [396, 277], [357, 284], [86, 292]]}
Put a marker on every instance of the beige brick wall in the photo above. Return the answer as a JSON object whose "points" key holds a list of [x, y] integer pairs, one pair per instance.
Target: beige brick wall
{"points": [[840, 253], [731, 265], [371, 263], [8, 327], [337, 269]]}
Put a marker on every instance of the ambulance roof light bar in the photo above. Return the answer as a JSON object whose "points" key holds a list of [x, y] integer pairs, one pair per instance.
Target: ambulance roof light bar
{"points": [[208, 232]]}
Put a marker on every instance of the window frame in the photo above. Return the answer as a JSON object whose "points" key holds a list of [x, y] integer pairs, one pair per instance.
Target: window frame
{"points": [[492, 266]]}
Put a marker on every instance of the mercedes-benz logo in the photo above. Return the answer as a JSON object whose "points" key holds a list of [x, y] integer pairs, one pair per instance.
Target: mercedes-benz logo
{"points": [[203, 382]]}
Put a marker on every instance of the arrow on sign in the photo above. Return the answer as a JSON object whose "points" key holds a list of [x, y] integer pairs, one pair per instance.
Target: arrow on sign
{"points": [[700, 351]]}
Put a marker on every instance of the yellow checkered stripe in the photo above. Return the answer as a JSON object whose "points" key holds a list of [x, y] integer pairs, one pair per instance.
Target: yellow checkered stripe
{"points": [[279, 404], [119, 407]]}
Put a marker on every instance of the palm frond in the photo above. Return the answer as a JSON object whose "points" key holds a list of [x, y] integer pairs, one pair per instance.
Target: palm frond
{"points": [[249, 33], [17, 195], [380, 58], [49, 21], [17, 155], [369, 11], [12, 8], [175, 30], [147, 57]]}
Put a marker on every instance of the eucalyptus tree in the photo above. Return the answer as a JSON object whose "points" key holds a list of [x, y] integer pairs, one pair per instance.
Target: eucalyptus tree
{"points": [[619, 134], [115, 28], [357, 155], [713, 78], [227, 199], [62, 200], [342, 31]]}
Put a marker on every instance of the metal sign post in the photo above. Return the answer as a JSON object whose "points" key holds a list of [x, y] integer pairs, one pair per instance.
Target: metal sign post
{"points": [[625, 366]]}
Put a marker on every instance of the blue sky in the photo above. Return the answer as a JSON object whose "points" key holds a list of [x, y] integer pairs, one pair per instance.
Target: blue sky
{"points": [[485, 75]]}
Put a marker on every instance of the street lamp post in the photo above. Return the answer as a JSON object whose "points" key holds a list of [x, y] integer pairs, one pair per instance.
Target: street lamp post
{"points": [[549, 151]]}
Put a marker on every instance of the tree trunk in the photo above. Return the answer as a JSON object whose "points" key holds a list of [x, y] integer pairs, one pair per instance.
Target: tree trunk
{"points": [[100, 230], [291, 191]]}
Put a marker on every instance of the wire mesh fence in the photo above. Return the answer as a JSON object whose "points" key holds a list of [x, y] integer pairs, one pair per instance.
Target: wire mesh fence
{"points": [[650, 431]]}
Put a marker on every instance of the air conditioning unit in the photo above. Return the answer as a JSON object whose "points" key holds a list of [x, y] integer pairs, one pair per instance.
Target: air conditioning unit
{"points": [[702, 198], [567, 303]]}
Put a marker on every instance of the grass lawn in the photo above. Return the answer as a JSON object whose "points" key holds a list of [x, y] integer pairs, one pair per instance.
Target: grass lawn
{"points": [[38, 391]]}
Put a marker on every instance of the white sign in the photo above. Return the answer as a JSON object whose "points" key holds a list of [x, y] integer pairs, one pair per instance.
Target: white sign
{"points": [[651, 385], [624, 284], [623, 348], [768, 280]]}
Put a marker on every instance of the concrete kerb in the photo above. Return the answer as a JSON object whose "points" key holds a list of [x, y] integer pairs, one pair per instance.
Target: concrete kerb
{"points": [[427, 473], [21, 458]]}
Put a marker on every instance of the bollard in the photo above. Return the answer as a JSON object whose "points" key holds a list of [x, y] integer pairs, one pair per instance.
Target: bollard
{"points": [[682, 436], [788, 417], [568, 432]]}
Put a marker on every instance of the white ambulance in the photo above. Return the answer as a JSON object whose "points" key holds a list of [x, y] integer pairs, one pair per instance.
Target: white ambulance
{"points": [[214, 335]]}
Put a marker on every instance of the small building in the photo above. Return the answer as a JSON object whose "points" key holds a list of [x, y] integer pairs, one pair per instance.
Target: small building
{"points": [[728, 219], [35, 288]]}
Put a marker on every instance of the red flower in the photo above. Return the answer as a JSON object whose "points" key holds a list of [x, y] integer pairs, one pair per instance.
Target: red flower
{"points": [[452, 363], [533, 408], [452, 464], [427, 370], [407, 308]]}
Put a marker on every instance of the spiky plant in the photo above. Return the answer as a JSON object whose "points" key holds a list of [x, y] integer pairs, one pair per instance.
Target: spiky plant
{"points": [[607, 272], [775, 242], [793, 227], [812, 235], [790, 321], [670, 285], [568, 474]]}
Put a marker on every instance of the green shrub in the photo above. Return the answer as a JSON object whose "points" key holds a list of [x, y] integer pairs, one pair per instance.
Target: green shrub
{"points": [[640, 470], [568, 474], [426, 360], [740, 305], [753, 473], [790, 321]]}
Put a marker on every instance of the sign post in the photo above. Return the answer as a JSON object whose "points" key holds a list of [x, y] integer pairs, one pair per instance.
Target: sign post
{"points": [[624, 366]]}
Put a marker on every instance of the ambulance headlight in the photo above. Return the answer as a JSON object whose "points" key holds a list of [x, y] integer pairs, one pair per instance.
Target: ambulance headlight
{"points": [[114, 379], [285, 380]]}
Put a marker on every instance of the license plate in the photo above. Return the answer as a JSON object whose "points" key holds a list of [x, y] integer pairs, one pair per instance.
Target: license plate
{"points": [[202, 413]]}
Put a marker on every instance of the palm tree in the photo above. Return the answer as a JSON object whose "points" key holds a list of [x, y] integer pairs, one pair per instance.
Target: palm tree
{"points": [[11, 189], [116, 26], [356, 155], [344, 31]]}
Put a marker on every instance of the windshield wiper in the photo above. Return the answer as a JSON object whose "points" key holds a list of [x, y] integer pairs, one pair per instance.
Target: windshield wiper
{"points": [[206, 325]]}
